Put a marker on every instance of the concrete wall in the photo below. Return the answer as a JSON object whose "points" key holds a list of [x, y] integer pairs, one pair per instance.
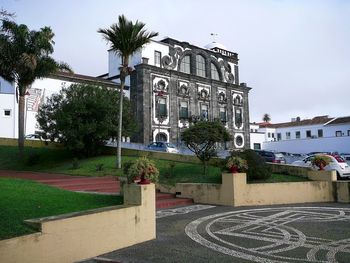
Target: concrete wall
{"points": [[235, 191], [343, 192], [78, 236]]}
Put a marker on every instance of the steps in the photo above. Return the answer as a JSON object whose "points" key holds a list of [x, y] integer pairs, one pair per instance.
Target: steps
{"points": [[164, 200], [88, 184]]}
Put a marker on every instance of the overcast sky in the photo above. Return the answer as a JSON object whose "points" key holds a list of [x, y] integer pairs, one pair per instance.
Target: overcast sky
{"points": [[294, 54]]}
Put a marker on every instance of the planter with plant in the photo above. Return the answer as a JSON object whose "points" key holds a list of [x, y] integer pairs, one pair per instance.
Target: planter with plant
{"points": [[143, 170], [320, 161], [236, 164]]}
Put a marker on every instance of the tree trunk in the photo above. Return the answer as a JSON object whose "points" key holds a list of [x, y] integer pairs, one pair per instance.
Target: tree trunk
{"points": [[119, 148], [205, 168], [21, 109]]}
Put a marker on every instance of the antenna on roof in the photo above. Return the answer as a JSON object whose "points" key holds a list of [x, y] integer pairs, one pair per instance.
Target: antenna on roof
{"points": [[214, 35]]}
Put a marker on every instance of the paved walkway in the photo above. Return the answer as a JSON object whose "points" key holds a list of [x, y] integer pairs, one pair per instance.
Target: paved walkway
{"points": [[201, 233]]}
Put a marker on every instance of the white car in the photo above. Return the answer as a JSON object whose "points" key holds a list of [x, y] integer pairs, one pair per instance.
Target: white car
{"points": [[163, 147], [337, 163]]}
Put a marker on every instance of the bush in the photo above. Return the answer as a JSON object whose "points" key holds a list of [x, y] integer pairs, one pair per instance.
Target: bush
{"points": [[143, 167], [257, 168], [33, 159]]}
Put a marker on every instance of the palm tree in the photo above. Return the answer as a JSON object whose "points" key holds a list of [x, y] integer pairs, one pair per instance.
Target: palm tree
{"points": [[125, 38], [266, 117], [25, 57]]}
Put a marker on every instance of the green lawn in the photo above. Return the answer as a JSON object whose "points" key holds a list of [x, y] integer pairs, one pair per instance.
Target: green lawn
{"points": [[22, 199], [60, 161]]}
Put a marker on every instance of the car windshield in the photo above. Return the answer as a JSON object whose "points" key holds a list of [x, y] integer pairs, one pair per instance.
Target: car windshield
{"points": [[279, 155], [170, 145]]}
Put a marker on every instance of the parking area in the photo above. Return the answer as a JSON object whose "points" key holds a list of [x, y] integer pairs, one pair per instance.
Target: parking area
{"points": [[203, 233]]}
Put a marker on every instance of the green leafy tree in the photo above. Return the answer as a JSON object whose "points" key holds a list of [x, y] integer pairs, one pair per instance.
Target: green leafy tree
{"points": [[125, 38], [266, 117], [83, 117], [202, 138], [25, 57]]}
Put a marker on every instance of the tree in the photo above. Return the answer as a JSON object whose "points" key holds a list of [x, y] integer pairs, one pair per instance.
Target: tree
{"points": [[266, 117], [25, 57], [5, 15], [125, 38], [83, 118], [202, 138]]}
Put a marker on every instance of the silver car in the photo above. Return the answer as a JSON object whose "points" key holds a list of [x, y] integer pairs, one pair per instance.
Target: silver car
{"points": [[163, 147]]}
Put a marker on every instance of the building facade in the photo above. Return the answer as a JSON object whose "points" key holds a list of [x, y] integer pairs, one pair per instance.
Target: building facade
{"points": [[319, 134], [175, 83]]}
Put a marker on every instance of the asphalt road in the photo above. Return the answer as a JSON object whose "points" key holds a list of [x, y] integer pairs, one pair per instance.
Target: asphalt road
{"points": [[200, 233]]}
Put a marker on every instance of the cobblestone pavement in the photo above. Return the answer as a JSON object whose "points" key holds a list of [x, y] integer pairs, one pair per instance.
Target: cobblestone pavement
{"points": [[200, 233]]}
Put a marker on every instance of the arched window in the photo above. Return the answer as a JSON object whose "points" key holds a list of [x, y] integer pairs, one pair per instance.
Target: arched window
{"points": [[200, 66], [161, 137], [185, 65], [214, 72]]}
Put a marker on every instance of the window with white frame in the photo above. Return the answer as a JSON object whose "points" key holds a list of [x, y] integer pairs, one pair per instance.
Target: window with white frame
{"points": [[320, 133], [204, 112], [238, 117], [7, 113], [287, 135], [297, 135], [183, 110], [200, 66], [223, 114], [338, 133], [308, 134], [185, 65], [157, 58], [214, 72], [161, 107], [348, 132]]}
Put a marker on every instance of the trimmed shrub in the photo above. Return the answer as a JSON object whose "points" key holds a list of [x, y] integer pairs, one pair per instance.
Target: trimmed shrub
{"points": [[257, 167]]}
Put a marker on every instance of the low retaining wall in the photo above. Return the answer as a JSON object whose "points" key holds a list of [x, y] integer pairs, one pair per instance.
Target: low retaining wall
{"points": [[343, 192], [289, 169], [235, 191], [31, 143], [78, 236]]}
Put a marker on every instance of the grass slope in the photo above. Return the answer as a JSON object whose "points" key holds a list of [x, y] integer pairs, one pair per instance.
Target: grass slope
{"points": [[22, 199]]}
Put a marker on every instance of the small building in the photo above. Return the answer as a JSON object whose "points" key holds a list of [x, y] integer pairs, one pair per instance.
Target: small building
{"points": [[176, 83]]}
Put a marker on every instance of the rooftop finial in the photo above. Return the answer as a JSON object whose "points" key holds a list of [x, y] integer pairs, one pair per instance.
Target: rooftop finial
{"points": [[214, 35]]}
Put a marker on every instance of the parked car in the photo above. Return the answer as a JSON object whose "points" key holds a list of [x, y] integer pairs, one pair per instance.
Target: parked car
{"points": [[271, 157], [337, 163], [346, 157], [33, 137], [163, 147]]}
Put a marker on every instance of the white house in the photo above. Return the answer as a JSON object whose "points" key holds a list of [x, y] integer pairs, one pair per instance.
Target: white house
{"points": [[36, 94], [321, 133], [8, 110]]}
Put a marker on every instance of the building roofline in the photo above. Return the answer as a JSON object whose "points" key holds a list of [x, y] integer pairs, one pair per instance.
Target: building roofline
{"points": [[85, 79]]}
